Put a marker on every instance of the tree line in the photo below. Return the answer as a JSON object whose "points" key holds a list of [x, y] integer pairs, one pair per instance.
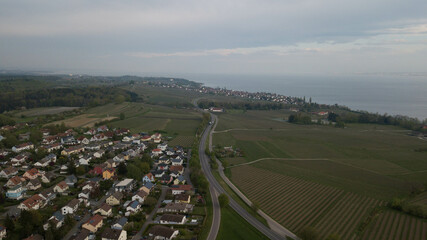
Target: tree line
{"points": [[69, 97]]}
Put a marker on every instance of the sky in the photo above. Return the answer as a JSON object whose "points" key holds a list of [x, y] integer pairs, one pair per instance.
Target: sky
{"points": [[229, 37]]}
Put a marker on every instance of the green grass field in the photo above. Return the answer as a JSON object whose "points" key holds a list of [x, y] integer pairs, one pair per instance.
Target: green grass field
{"points": [[235, 227]]}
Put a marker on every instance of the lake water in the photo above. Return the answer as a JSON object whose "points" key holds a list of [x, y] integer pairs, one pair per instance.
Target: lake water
{"points": [[403, 95]]}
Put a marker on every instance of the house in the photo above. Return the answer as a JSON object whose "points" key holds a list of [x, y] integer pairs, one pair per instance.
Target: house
{"points": [[84, 195], [56, 220], [114, 199], [53, 147], [162, 166], [72, 150], [61, 187], [159, 232], [94, 223], [172, 219], [146, 138], [216, 110], [133, 207], [113, 234], [108, 173], [71, 180], [148, 178], [179, 180], [177, 168], [3, 232], [47, 177], [20, 159], [110, 163], [178, 189], [147, 187], [71, 207], [8, 172], [34, 184], [82, 235], [16, 192], [31, 174], [156, 152], [44, 162], [23, 147], [177, 162], [140, 196], [182, 198], [90, 185], [84, 160], [49, 140], [104, 210], [34, 202], [99, 154], [98, 137], [125, 185], [83, 140], [98, 169], [162, 146], [63, 169], [91, 131], [176, 208], [3, 153], [47, 195], [15, 181], [102, 128], [120, 224], [68, 140], [119, 158]]}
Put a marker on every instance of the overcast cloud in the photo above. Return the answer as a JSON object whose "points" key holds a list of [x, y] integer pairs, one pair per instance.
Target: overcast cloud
{"points": [[186, 36]]}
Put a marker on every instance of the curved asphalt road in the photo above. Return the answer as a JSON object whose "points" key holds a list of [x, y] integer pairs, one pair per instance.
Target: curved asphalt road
{"points": [[217, 188]]}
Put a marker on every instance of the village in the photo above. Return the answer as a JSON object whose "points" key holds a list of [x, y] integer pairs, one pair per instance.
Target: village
{"points": [[97, 183]]}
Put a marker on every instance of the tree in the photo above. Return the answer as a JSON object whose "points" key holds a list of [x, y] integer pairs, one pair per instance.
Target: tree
{"points": [[223, 200], [71, 167], [105, 185], [80, 170], [122, 116], [9, 223], [144, 167], [10, 140], [150, 201], [36, 136], [121, 169], [333, 117]]}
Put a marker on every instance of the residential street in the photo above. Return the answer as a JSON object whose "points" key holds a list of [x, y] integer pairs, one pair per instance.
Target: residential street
{"points": [[75, 229], [150, 217]]}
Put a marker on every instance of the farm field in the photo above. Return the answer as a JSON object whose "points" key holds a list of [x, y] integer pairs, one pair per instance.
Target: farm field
{"points": [[324, 177], [298, 204], [395, 225], [385, 151], [140, 117], [235, 227]]}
